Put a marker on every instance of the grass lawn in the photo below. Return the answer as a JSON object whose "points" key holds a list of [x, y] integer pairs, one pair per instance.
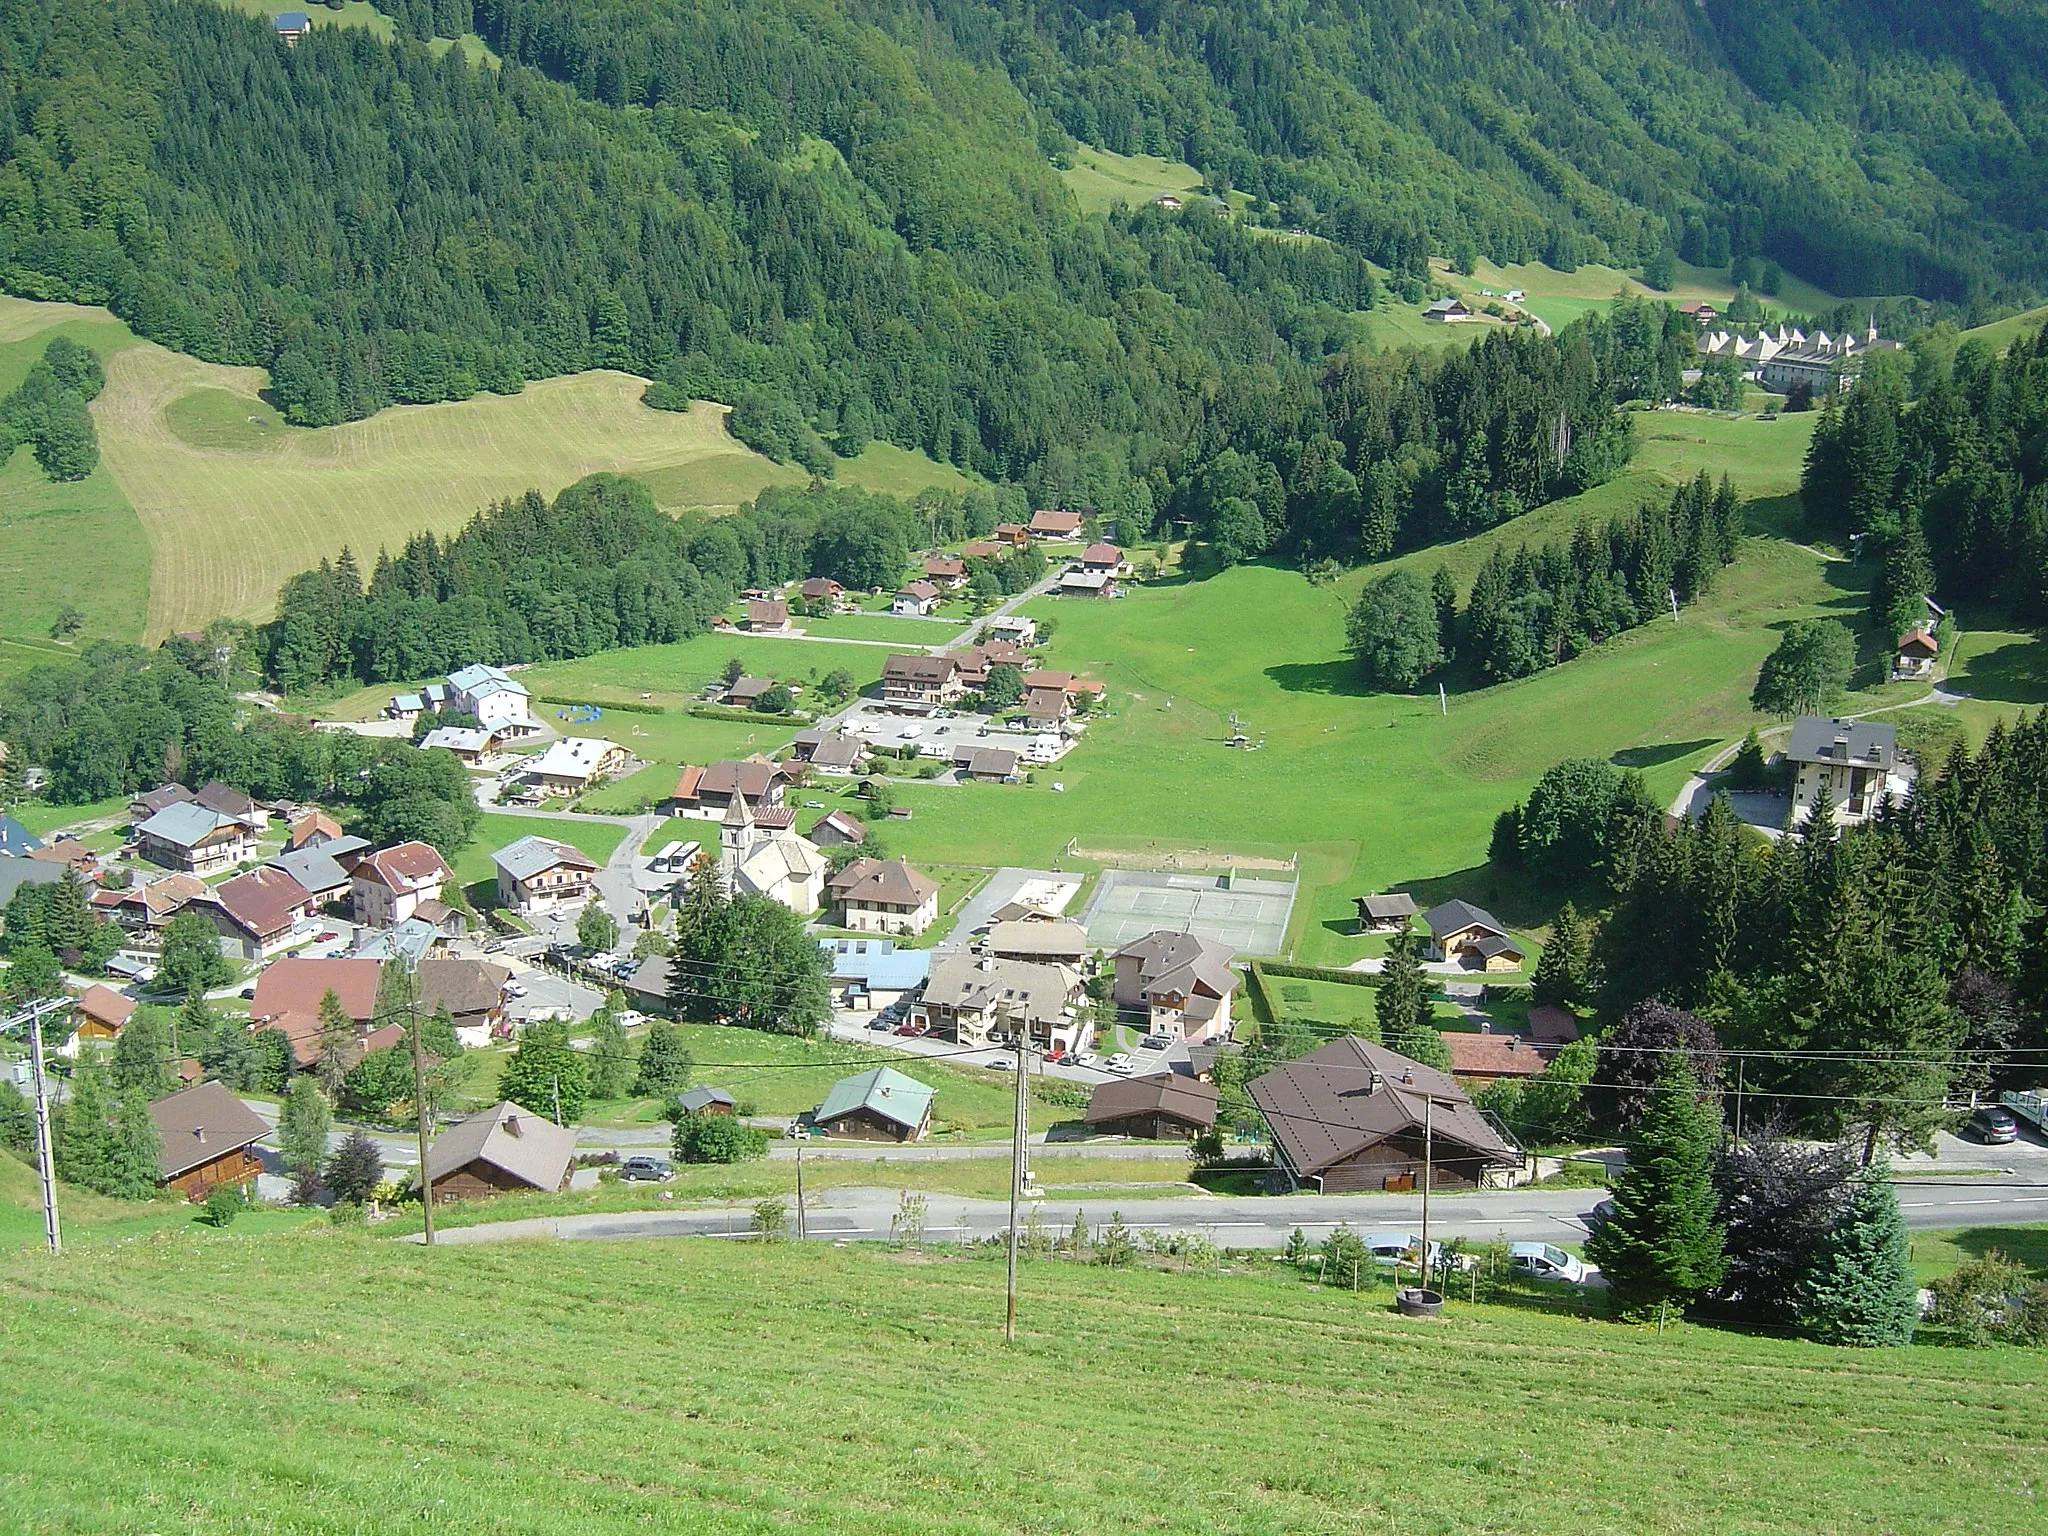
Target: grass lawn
{"points": [[957, 882], [42, 819], [2003, 333], [83, 1215], [911, 634], [1100, 177], [473, 862], [706, 1385], [675, 675]]}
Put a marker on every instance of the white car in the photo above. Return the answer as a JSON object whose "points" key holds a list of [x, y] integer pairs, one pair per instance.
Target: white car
{"points": [[1085, 1059], [1121, 1064], [515, 989], [1002, 1064], [1400, 1248], [1543, 1261]]}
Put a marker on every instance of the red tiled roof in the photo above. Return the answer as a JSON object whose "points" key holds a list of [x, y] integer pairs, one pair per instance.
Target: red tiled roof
{"points": [[264, 901], [1494, 1055], [296, 984], [405, 866], [105, 1006]]}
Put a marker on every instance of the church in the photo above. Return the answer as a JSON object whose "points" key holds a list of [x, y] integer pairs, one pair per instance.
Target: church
{"points": [[774, 863]]}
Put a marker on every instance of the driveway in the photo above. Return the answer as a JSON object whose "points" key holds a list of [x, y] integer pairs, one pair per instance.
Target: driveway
{"points": [[1048, 887]]}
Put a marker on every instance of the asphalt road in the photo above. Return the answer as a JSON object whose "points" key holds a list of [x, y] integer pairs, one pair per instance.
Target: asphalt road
{"points": [[1531, 1215]]}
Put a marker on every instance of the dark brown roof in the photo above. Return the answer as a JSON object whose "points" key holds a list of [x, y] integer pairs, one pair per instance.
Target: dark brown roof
{"points": [[1552, 1025], [887, 882], [753, 777], [1333, 1103], [918, 669], [529, 1147], [1392, 904], [947, 566], [229, 801], [463, 986], [924, 591], [821, 586], [296, 984], [105, 1006], [197, 1125], [769, 612], [150, 801], [1160, 1093], [1055, 522], [263, 902]]}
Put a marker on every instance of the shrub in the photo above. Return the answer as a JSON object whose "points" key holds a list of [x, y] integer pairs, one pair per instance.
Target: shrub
{"points": [[224, 1202]]}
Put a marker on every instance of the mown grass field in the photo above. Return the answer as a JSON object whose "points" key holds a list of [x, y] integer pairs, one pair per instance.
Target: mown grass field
{"points": [[1101, 177], [472, 862], [228, 500], [2003, 333], [737, 1387], [677, 674]]}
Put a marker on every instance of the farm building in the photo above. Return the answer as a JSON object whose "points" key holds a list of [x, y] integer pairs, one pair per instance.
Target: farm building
{"points": [[706, 1101], [1388, 912]]}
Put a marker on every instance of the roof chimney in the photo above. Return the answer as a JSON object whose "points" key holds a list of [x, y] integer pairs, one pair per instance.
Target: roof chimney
{"points": [[512, 1126], [1407, 1074], [199, 1132]]}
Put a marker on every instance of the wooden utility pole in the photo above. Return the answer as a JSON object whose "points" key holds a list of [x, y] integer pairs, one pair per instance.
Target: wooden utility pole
{"points": [[1428, 1176], [1018, 1124], [419, 1093], [802, 1227], [46, 1164]]}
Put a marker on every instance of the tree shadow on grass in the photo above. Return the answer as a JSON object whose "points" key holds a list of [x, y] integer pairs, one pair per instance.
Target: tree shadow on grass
{"points": [[1341, 677], [1513, 896], [2027, 1245], [1663, 752], [2013, 674], [1778, 517]]}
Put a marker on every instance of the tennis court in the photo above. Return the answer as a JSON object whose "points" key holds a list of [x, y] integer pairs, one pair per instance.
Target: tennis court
{"points": [[1248, 915]]}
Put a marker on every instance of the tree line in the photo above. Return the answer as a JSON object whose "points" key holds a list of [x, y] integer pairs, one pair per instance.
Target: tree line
{"points": [[1540, 607], [48, 411]]}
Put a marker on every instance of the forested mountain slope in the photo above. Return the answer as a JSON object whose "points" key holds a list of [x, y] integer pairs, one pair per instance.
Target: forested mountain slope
{"points": [[852, 208]]}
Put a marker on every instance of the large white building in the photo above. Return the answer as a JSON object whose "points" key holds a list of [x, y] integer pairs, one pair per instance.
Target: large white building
{"points": [[1784, 356], [776, 864], [492, 696]]}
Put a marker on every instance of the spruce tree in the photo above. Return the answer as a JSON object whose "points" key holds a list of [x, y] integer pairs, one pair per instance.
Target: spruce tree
{"points": [[664, 1063], [1406, 1018], [1662, 1243], [1561, 972], [302, 1127], [85, 1150], [337, 1042], [1862, 1291], [611, 1057], [142, 1055], [136, 1148]]}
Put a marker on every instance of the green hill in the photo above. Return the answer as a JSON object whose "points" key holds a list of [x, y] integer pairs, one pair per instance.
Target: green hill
{"points": [[319, 1382]]}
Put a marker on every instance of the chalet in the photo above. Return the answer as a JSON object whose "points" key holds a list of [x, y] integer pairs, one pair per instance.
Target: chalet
{"points": [[945, 570], [68, 852], [197, 841], [144, 911], [405, 708], [100, 1014], [1462, 934], [204, 1135], [879, 1105], [836, 829], [976, 999], [1013, 627], [1447, 311], [290, 1004], [918, 679], [985, 765], [1103, 559], [538, 876], [1853, 760], [768, 616], [1354, 1116], [1038, 938], [823, 589], [706, 1101], [473, 992], [261, 912], [1162, 1106], [150, 801], [707, 793], [1047, 704], [972, 662], [499, 1151], [1012, 535], [874, 973], [915, 599], [1168, 202], [310, 830], [981, 549], [1490, 1058], [492, 696], [746, 692], [1053, 523], [229, 801], [1916, 654], [837, 753], [883, 896], [1087, 584], [1388, 912], [473, 747], [394, 883], [574, 763], [1182, 981], [1700, 311], [322, 869]]}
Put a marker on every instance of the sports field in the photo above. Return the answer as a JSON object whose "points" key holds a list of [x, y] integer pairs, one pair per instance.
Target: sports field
{"points": [[198, 1382], [1249, 915]]}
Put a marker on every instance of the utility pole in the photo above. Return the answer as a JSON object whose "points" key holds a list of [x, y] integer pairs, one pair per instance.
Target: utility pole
{"points": [[1016, 1181], [45, 1159], [419, 1091], [1738, 1099], [802, 1228], [555, 1078], [1428, 1176]]}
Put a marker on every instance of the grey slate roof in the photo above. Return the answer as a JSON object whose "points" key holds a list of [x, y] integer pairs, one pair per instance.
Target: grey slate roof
{"points": [[530, 1147], [1455, 915], [16, 839], [15, 873], [315, 868], [530, 855], [186, 824], [694, 1100], [1852, 743]]}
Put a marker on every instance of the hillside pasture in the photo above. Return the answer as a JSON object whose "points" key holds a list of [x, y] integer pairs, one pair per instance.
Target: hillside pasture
{"points": [[703, 1385], [1099, 178], [2001, 334]]}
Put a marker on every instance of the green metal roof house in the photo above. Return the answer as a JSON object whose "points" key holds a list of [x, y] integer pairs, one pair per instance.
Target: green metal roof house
{"points": [[882, 1105]]}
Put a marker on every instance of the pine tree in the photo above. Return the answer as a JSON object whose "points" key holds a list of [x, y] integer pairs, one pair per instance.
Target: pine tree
{"points": [[1561, 972], [86, 1154], [1862, 1291], [611, 1057], [1662, 1243], [302, 1127], [136, 1148], [664, 1063], [142, 1055], [337, 1042], [544, 1075], [1403, 1008]]}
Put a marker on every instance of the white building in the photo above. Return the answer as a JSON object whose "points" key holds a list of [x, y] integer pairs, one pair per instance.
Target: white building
{"points": [[778, 865], [492, 696], [568, 766]]}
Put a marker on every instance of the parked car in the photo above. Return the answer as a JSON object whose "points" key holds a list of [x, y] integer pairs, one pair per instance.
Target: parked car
{"points": [[1155, 1042], [1085, 1059], [1400, 1248], [1543, 1261], [515, 989], [1002, 1064], [328, 937], [880, 1026], [646, 1170], [1994, 1125], [1121, 1064], [1597, 1217]]}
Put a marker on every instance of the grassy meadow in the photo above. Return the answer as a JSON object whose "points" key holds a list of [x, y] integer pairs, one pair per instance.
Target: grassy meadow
{"points": [[719, 1386], [472, 862], [1099, 178], [2003, 333], [206, 500]]}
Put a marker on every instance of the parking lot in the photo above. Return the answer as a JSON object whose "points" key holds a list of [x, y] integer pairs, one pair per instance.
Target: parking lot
{"points": [[937, 735]]}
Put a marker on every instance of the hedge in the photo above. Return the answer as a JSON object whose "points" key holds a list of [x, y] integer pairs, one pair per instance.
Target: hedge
{"points": [[1265, 968], [634, 708]]}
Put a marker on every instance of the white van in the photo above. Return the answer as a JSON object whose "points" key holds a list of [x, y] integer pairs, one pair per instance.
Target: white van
{"points": [[1542, 1261]]}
